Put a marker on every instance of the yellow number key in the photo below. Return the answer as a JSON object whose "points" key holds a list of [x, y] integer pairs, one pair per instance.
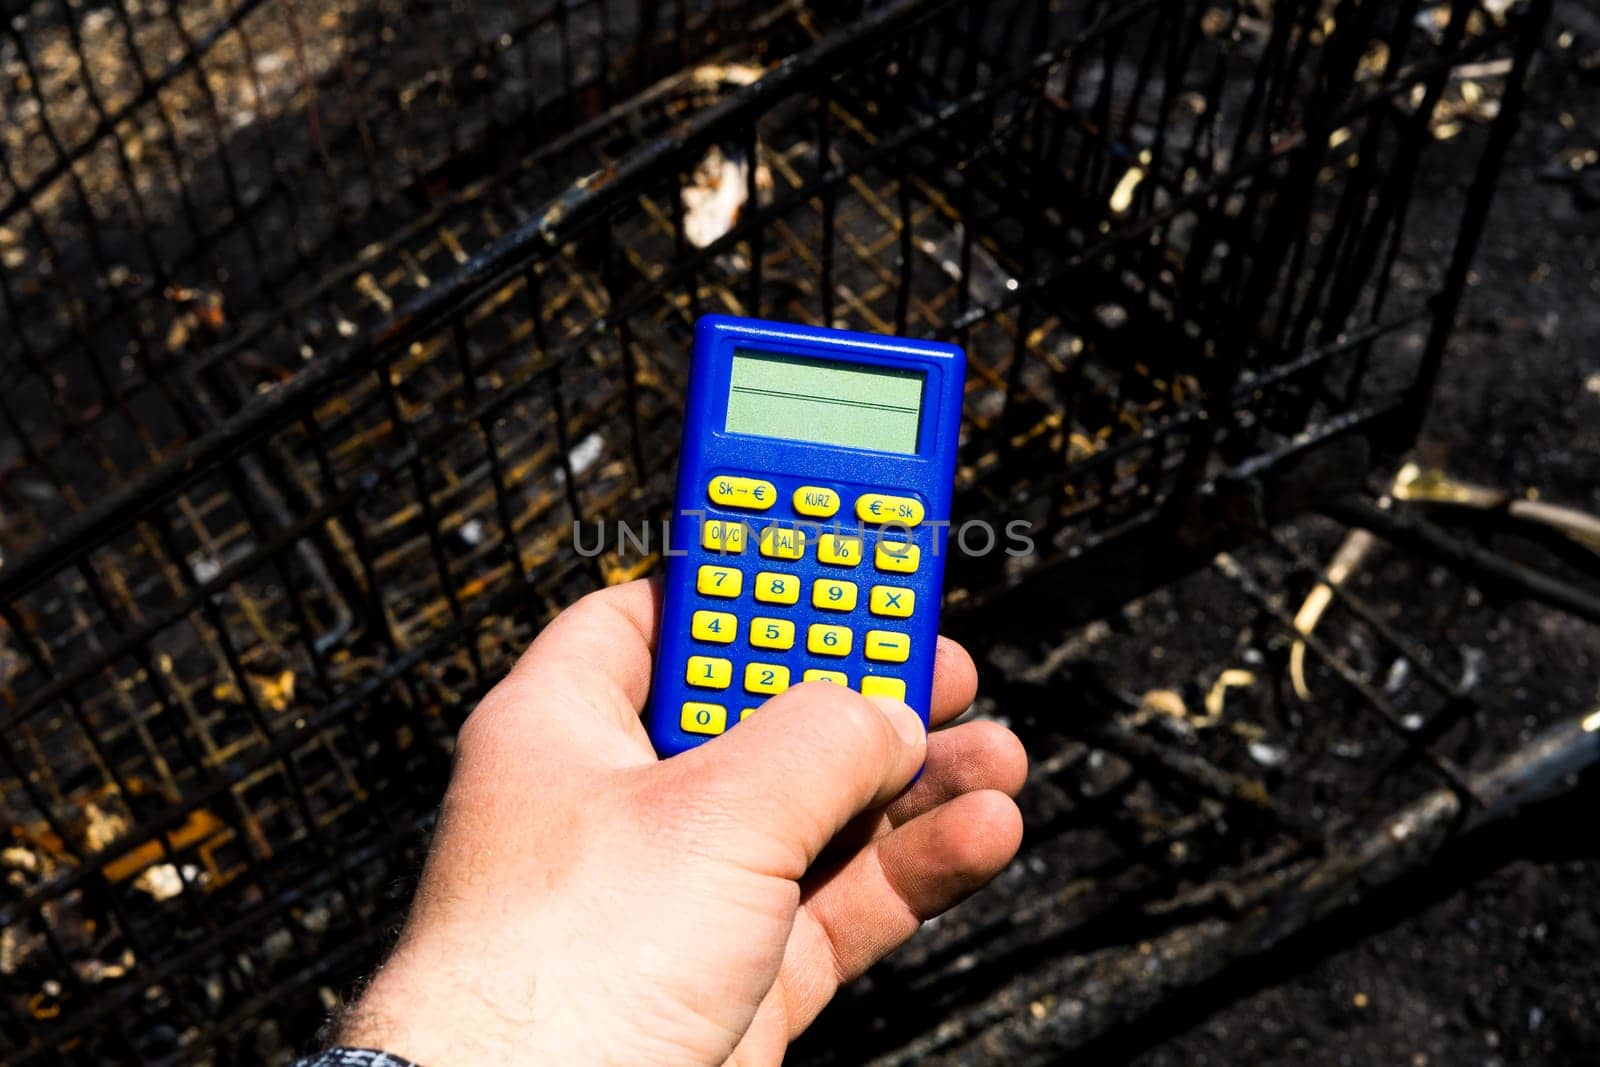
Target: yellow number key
{"points": [[725, 537], [892, 601], [897, 557], [749, 494], [771, 633], [839, 551], [881, 508], [709, 672], [886, 646], [833, 595], [779, 542], [836, 677], [719, 581], [766, 677], [874, 685], [825, 640], [703, 718], [717, 627], [775, 588]]}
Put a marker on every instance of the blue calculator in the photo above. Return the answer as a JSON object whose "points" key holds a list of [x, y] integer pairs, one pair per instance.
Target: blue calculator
{"points": [[809, 531]]}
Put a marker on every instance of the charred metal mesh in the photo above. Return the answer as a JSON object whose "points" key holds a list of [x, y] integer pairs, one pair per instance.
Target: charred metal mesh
{"points": [[325, 324]]}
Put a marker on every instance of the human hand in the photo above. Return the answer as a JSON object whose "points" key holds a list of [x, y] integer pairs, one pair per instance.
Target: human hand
{"points": [[585, 902]]}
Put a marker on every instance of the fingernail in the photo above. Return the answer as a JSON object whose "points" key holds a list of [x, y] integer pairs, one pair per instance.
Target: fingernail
{"points": [[906, 723]]}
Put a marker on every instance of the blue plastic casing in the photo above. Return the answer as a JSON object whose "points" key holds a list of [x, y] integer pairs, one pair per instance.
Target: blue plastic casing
{"points": [[709, 451]]}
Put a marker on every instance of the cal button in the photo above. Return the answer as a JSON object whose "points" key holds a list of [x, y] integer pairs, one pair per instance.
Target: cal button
{"points": [[878, 507], [815, 502], [750, 494]]}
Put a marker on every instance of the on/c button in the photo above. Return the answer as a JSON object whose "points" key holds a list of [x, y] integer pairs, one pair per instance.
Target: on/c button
{"points": [[751, 494]]}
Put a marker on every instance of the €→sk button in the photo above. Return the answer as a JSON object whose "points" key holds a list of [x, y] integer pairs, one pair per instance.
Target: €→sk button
{"points": [[881, 508]]}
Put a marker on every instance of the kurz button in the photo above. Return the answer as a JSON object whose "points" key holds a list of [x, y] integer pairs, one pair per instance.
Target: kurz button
{"points": [[815, 502]]}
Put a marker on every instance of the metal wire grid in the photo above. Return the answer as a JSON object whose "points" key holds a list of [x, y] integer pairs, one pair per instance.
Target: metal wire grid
{"points": [[281, 627], [189, 190]]}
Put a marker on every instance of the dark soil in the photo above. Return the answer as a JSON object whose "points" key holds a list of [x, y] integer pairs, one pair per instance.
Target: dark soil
{"points": [[1506, 968]]}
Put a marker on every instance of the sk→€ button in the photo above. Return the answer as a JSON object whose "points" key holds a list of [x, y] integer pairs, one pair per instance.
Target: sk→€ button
{"points": [[748, 494]]}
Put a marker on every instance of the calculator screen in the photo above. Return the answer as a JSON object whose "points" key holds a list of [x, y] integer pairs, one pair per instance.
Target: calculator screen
{"points": [[825, 402]]}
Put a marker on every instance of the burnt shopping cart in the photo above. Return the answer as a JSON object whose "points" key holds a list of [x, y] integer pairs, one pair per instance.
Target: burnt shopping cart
{"points": [[325, 326]]}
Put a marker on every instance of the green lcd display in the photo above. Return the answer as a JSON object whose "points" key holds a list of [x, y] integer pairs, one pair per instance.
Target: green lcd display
{"points": [[825, 402]]}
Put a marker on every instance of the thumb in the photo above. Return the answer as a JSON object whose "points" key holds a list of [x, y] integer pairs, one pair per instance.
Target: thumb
{"points": [[792, 775]]}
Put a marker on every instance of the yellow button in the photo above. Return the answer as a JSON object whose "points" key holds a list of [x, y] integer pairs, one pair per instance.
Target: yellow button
{"points": [[717, 536], [708, 672], [897, 557], [749, 494], [891, 600], [830, 594], [775, 588], [874, 685], [778, 542], [703, 718], [718, 627], [900, 510], [836, 677], [771, 633], [839, 551], [719, 581], [886, 646], [766, 677], [825, 640], [746, 713], [816, 502]]}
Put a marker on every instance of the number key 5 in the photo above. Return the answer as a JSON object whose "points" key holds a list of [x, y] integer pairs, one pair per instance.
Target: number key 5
{"points": [[771, 633]]}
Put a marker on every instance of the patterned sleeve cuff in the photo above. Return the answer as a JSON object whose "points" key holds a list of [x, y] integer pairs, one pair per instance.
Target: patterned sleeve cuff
{"points": [[352, 1057]]}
